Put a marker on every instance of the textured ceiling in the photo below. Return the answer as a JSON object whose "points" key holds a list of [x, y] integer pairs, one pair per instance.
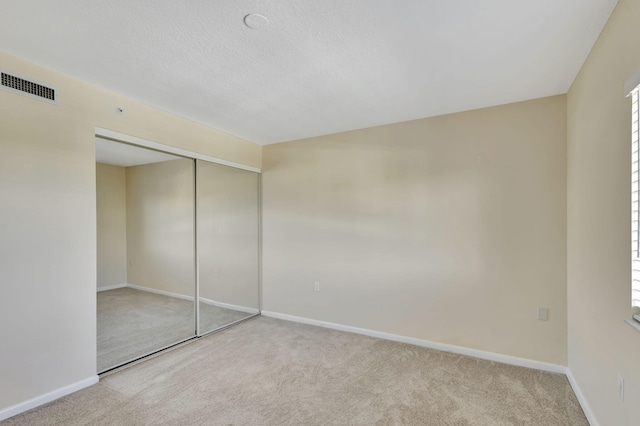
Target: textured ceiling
{"points": [[321, 66]]}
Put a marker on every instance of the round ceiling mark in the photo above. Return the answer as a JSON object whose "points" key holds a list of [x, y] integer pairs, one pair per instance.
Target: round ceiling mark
{"points": [[255, 21]]}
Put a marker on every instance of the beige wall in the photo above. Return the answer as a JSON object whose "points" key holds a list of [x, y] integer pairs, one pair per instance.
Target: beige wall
{"points": [[48, 221], [160, 226], [111, 202], [601, 345], [449, 229], [228, 235]]}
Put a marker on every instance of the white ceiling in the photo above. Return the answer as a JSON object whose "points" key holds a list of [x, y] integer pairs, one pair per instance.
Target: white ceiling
{"points": [[123, 155], [320, 67]]}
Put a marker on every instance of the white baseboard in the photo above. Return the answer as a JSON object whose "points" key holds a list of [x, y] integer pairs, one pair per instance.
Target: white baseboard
{"points": [[111, 287], [582, 399], [29, 404], [190, 299], [230, 306], [161, 292], [476, 353]]}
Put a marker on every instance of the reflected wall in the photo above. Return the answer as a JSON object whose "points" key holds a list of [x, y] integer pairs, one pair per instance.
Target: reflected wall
{"points": [[160, 227], [227, 215]]}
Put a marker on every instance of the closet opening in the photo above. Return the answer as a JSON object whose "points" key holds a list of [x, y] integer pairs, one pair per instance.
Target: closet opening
{"points": [[177, 248]]}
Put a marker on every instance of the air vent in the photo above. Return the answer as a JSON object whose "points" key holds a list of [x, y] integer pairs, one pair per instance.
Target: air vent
{"points": [[22, 86]]}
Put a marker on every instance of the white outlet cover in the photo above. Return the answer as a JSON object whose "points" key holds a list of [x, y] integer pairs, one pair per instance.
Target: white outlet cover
{"points": [[543, 314]]}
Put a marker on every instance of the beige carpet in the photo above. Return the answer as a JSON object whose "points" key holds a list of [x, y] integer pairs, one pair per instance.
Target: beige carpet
{"points": [[270, 372], [133, 323]]}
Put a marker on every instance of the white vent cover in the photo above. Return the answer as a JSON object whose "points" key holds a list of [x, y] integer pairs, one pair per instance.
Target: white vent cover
{"points": [[37, 90]]}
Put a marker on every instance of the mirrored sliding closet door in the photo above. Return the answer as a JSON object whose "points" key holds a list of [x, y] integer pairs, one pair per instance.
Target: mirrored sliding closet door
{"points": [[146, 251], [171, 230], [227, 223]]}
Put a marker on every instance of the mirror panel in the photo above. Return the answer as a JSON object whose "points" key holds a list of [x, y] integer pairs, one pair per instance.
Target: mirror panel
{"points": [[227, 214], [146, 251]]}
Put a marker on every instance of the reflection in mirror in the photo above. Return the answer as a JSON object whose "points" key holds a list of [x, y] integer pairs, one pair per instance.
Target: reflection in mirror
{"points": [[145, 235], [227, 215]]}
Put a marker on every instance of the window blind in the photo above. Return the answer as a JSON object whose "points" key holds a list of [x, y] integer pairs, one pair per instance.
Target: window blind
{"points": [[635, 211]]}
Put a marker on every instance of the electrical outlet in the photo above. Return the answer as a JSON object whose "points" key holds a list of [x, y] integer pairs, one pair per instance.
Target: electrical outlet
{"points": [[543, 314], [316, 286], [621, 387]]}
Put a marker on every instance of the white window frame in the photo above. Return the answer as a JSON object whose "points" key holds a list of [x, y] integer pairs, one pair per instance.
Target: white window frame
{"points": [[635, 202], [632, 88]]}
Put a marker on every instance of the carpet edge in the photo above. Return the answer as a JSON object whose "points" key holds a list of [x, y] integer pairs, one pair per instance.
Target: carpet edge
{"points": [[476, 353]]}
